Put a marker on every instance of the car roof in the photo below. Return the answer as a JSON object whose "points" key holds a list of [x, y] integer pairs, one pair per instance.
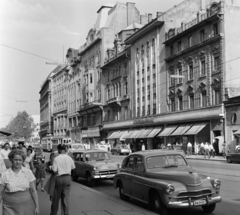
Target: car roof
{"points": [[87, 151], [153, 152]]}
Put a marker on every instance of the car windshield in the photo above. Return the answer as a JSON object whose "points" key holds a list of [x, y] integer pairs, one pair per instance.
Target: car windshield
{"points": [[77, 146], [97, 156], [38, 150], [165, 161]]}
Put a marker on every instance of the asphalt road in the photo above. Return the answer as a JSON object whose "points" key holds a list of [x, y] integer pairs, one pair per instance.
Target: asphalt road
{"points": [[229, 174]]}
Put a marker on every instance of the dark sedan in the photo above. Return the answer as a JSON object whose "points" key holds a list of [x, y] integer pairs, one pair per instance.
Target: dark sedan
{"points": [[164, 180], [233, 157]]}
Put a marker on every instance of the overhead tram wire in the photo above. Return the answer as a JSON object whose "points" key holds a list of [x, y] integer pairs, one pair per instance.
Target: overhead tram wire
{"points": [[27, 52]]}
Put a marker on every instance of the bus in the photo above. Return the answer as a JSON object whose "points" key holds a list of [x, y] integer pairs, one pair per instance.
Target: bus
{"points": [[56, 140], [46, 143]]}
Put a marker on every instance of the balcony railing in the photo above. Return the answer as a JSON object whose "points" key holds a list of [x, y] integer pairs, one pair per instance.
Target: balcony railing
{"points": [[114, 99]]}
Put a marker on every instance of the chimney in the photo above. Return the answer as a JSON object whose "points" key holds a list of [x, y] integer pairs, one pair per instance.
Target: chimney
{"points": [[149, 17], [143, 19], [159, 13], [130, 13]]}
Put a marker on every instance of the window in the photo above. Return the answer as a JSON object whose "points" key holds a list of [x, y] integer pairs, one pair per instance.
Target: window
{"points": [[190, 74], [217, 96], [215, 29], [203, 68], [108, 115], [138, 111], [139, 166], [190, 41], [180, 80], [172, 105], [202, 35], [191, 101], [143, 90], [138, 100], [142, 80], [204, 99], [216, 64], [143, 110], [171, 50], [148, 110], [153, 51], [179, 46], [180, 103], [172, 79], [126, 112]]}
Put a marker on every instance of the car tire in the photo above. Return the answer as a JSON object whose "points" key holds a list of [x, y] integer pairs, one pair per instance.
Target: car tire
{"points": [[90, 181], [157, 205], [209, 208], [229, 160], [121, 193], [74, 176]]}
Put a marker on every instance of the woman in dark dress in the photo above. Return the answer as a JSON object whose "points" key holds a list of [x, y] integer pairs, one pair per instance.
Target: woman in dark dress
{"points": [[40, 173]]}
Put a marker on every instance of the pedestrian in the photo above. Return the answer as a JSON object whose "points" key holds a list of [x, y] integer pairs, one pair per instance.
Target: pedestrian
{"points": [[62, 165], [143, 146], [17, 187], [40, 173], [206, 149], [2, 165], [211, 150], [33, 152], [189, 148], [22, 147], [28, 163], [4, 153], [50, 185]]}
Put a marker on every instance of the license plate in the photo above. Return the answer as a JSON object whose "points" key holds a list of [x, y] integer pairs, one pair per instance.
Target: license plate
{"points": [[199, 202]]}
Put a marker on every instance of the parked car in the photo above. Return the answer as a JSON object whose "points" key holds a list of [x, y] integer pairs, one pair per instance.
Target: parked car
{"points": [[94, 164], [77, 146], [103, 147], [120, 150], [38, 154], [234, 156], [164, 179]]}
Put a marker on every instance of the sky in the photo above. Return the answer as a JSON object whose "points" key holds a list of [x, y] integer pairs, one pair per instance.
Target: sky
{"points": [[46, 29]]}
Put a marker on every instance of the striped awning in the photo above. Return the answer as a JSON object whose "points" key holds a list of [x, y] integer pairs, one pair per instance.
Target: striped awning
{"points": [[113, 135], [182, 129], [128, 134], [195, 129], [145, 132], [167, 131], [154, 132], [136, 133]]}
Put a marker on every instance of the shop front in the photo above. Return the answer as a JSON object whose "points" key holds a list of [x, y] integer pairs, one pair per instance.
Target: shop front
{"points": [[91, 136]]}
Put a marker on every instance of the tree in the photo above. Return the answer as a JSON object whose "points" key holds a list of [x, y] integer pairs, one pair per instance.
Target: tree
{"points": [[21, 126]]}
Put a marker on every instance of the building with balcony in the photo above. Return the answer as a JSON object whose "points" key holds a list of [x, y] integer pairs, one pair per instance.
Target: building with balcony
{"points": [[46, 105], [60, 102], [111, 20], [116, 81], [74, 88]]}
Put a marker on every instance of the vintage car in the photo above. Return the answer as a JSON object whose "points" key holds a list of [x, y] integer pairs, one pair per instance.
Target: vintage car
{"points": [[93, 164], [121, 150], [233, 156], [164, 179]]}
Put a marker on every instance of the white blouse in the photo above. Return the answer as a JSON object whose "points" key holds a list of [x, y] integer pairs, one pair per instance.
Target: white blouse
{"points": [[2, 166], [5, 153], [15, 182]]}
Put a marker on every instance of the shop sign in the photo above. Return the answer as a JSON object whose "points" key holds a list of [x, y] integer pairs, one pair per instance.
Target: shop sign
{"points": [[143, 120]]}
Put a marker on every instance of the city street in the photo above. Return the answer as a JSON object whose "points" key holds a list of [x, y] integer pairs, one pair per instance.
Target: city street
{"points": [[229, 175]]}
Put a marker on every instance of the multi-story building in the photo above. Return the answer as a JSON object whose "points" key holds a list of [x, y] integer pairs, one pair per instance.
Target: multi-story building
{"points": [[116, 81], [74, 87], [60, 102], [111, 20], [46, 106]]}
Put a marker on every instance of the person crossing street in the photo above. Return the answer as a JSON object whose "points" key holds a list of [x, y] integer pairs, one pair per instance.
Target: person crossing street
{"points": [[62, 165]]}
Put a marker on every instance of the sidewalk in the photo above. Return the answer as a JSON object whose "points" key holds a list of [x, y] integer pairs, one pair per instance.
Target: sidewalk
{"points": [[201, 157], [87, 201]]}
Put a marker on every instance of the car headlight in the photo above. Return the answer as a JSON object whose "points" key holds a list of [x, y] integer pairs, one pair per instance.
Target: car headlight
{"points": [[96, 169], [170, 189], [216, 184]]}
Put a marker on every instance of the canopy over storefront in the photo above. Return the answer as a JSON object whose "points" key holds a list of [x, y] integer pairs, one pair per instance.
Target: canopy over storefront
{"points": [[113, 135], [195, 129], [145, 132], [182, 129], [154, 132], [167, 131]]}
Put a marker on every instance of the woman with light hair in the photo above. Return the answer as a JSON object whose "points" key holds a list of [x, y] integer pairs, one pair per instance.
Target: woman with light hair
{"points": [[17, 187]]}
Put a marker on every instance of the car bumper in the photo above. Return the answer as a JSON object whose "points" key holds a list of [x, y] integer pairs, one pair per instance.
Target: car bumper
{"points": [[104, 176], [190, 203]]}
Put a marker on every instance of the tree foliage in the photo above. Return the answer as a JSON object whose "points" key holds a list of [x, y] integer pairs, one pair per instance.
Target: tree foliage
{"points": [[21, 126]]}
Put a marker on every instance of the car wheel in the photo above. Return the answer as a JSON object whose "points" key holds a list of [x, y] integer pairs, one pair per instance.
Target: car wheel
{"points": [[209, 208], [90, 181], [74, 176], [229, 160], [121, 193], [157, 205]]}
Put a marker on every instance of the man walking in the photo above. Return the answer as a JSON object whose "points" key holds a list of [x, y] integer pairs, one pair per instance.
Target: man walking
{"points": [[62, 165]]}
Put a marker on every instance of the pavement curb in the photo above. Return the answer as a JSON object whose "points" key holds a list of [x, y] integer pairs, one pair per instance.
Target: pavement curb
{"points": [[211, 159], [118, 201]]}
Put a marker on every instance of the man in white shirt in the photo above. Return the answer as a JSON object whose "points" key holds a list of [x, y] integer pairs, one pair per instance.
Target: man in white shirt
{"points": [[206, 148], [62, 165], [189, 148]]}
